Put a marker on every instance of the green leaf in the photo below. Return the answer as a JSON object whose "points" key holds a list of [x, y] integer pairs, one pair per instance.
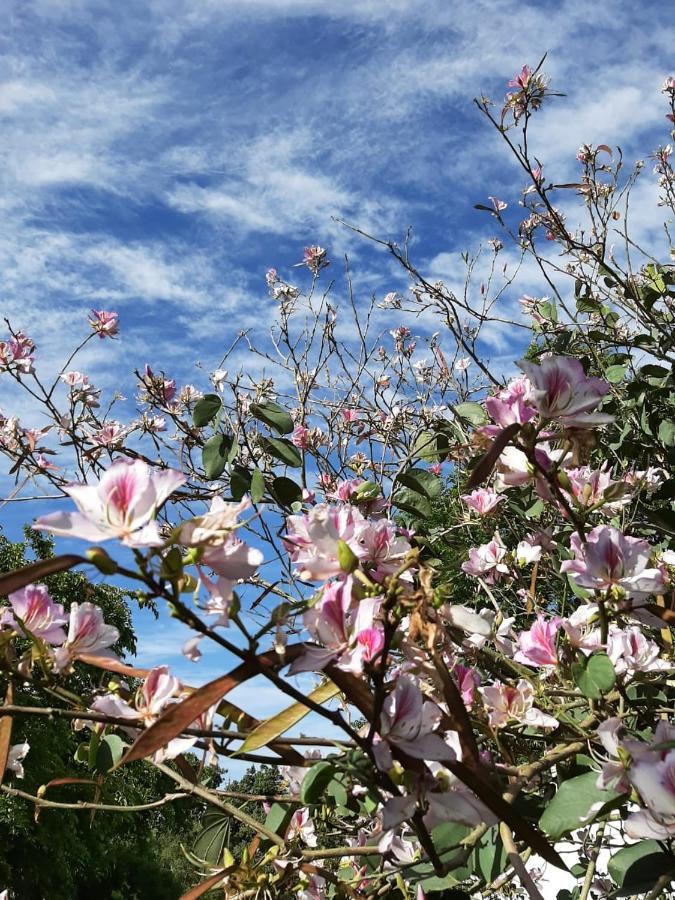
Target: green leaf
{"points": [[571, 807], [240, 482], [578, 591], [548, 311], [588, 305], [283, 450], [412, 502], [273, 415], [110, 752], [594, 675], [637, 868], [369, 490], [431, 446], [422, 481], [213, 838], [257, 486], [277, 820], [489, 859], [206, 410], [667, 432], [214, 455], [280, 723], [336, 789], [614, 374], [664, 518], [285, 491], [348, 560], [315, 782], [472, 412]]}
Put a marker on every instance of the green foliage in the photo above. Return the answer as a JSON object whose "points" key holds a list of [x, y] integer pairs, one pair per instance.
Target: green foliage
{"points": [[70, 855]]}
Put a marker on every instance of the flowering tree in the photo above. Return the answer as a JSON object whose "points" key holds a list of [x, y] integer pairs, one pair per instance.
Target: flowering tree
{"points": [[477, 569]]}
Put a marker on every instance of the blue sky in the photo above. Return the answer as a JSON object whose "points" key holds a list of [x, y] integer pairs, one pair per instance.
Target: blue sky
{"points": [[157, 157]]}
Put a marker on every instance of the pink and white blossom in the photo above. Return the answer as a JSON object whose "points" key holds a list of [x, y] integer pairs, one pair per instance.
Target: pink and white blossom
{"points": [[301, 826], [122, 505], [561, 391], [105, 324], [487, 561], [483, 500], [17, 753], [613, 561], [88, 635], [344, 627], [537, 647], [506, 704], [39, 614], [408, 723]]}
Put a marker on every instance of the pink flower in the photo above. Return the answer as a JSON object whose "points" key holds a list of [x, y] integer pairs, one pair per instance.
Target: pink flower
{"points": [[538, 645], [483, 500], [610, 560], [487, 561], [301, 437], [522, 79], [561, 390], [313, 539], [39, 614], [88, 635], [408, 723], [514, 704], [462, 364], [160, 690], [18, 351], [498, 205], [301, 826], [652, 774], [510, 405], [214, 527], [17, 753], [232, 559], [344, 627], [315, 259], [527, 552], [105, 324], [109, 435], [369, 643], [122, 505], [630, 651], [72, 379], [588, 486], [467, 681]]}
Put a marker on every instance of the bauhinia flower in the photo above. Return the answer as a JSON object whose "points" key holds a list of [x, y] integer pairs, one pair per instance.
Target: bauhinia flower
{"points": [[538, 645], [313, 542], [105, 324], [483, 500], [652, 774], [510, 406], [408, 723], [160, 690], [17, 753], [302, 826], [561, 391], [612, 561], [345, 628], [631, 652], [38, 614], [122, 505], [487, 561], [88, 635], [506, 704]]}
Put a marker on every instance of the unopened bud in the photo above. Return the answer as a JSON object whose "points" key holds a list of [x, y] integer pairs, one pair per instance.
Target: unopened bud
{"points": [[104, 563]]}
